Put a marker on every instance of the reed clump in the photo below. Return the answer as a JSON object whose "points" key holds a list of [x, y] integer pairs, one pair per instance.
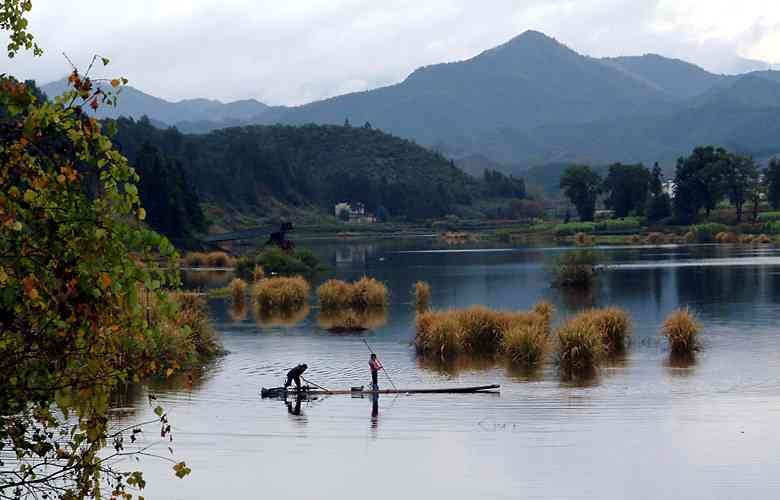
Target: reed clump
{"points": [[219, 259], [654, 238], [690, 237], [763, 239], [480, 331], [681, 329], [746, 239], [614, 326], [422, 296], [575, 269], [635, 239], [526, 344], [258, 273], [238, 289], [580, 346], [366, 293], [280, 293]]}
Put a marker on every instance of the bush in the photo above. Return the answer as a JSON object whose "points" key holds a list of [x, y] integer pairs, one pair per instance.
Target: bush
{"points": [[366, 293], [746, 239], [280, 293], [763, 239], [575, 269], [274, 260], [186, 337], [690, 237], [769, 217], [655, 238], [580, 346], [706, 233], [726, 237], [438, 332], [422, 296], [681, 329], [772, 227], [624, 224], [194, 259], [572, 228], [583, 240]]}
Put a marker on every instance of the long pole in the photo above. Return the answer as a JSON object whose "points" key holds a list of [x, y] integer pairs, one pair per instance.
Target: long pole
{"points": [[383, 366], [315, 385]]}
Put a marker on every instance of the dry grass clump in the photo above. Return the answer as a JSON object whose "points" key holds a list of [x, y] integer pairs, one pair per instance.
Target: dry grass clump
{"points": [[366, 293], [238, 291], [527, 343], [219, 259], [746, 239], [258, 273], [422, 296], [480, 331], [726, 237], [681, 329], [351, 320], [635, 239], [762, 239], [280, 293], [583, 240], [546, 311], [614, 326], [690, 237], [187, 337], [655, 238], [580, 346], [194, 259]]}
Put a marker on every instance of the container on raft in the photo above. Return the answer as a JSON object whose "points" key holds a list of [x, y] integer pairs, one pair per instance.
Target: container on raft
{"points": [[275, 392]]}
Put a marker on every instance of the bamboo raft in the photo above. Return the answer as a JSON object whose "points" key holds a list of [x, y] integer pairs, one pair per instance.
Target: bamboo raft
{"points": [[359, 391]]}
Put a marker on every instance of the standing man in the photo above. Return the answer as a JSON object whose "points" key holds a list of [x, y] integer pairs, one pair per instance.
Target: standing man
{"points": [[295, 375], [375, 366]]}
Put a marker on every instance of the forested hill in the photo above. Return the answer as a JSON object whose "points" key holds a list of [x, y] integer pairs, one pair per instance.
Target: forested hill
{"points": [[249, 168]]}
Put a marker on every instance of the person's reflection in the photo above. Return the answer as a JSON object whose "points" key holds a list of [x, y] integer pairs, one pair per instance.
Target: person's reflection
{"points": [[294, 410], [374, 411]]}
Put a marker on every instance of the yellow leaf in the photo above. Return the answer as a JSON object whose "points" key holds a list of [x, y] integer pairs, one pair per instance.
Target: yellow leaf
{"points": [[115, 83], [141, 214], [61, 178], [106, 280], [169, 372]]}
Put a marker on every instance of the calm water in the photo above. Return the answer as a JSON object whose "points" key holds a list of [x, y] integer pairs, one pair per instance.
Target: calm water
{"points": [[642, 429]]}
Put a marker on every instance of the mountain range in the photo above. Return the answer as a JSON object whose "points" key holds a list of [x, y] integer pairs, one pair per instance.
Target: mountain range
{"points": [[527, 102]]}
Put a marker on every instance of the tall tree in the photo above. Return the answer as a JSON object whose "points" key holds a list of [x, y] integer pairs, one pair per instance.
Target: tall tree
{"points": [[700, 181], [627, 188], [740, 175], [772, 174], [658, 202], [582, 186]]}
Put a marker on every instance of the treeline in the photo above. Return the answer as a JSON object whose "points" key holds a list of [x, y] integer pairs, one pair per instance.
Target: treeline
{"points": [[249, 168], [707, 177]]}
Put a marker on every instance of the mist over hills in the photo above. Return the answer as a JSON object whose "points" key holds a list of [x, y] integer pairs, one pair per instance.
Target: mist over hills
{"points": [[530, 101]]}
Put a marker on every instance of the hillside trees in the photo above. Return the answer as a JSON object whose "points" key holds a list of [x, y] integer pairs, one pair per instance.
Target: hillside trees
{"points": [[700, 181], [772, 175], [582, 186]]}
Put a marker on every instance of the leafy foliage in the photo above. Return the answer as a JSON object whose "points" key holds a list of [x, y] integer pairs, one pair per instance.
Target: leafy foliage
{"points": [[627, 189], [582, 186], [73, 318]]}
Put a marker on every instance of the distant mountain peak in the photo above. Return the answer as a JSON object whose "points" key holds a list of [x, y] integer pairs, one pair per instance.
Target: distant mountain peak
{"points": [[531, 39]]}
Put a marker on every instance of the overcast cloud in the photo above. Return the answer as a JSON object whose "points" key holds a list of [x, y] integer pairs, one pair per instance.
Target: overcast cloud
{"points": [[296, 51]]}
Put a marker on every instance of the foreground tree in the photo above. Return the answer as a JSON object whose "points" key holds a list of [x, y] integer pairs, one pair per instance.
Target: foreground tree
{"points": [[73, 326], [582, 186], [627, 187]]}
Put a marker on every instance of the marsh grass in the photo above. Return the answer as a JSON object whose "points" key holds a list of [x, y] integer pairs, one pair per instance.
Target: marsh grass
{"points": [[422, 296], [480, 331], [690, 237], [655, 238], [238, 288], [762, 239], [580, 347], [726, 237], [681, 329], [194, 259], [238, 312], [746, 239], [366, 293], [258, 273], [614, 326], [280, 294], [219, 259]]}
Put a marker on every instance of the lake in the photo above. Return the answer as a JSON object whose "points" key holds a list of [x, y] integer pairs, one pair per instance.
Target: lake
{"points": [[642, 429]]}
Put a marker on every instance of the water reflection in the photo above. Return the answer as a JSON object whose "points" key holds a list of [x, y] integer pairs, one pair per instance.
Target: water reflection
{"points": [[351, 320], [272, 319]]}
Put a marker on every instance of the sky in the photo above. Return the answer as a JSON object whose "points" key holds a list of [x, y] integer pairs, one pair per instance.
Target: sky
{"points": [[296, 51]]}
